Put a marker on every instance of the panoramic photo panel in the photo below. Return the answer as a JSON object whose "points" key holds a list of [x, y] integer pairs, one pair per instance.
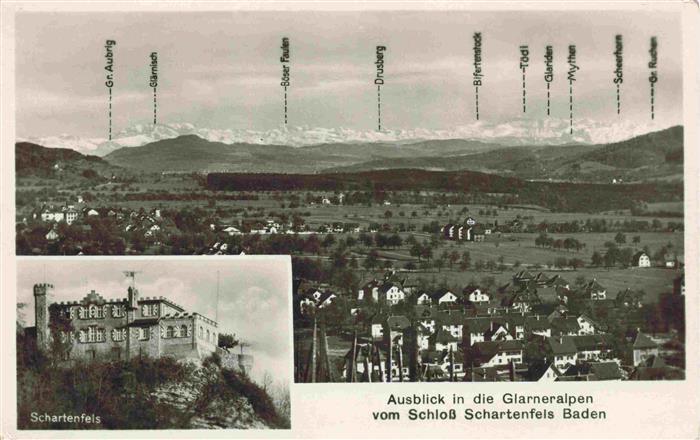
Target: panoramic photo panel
{"points": [[144, 343], [469, 196]]}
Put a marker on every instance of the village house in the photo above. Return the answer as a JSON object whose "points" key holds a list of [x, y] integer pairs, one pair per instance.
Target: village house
{"points": [[565, 326], [452, 323], [590, 371], [641, 259], [474, 294], [564, 351], [443, 296], [494, 354], [550, 373], [231, 230], [587, 326], [424, 299], [443, 364], [444, 340], [388, 292], [594, 290], [643, 348], [391, 293], [592, 347], [427, 317], [52, 235], [629, 298], [537, 325]]}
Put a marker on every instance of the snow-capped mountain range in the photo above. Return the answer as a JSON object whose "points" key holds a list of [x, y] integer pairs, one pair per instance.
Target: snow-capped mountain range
{"points": [[512, 133]]}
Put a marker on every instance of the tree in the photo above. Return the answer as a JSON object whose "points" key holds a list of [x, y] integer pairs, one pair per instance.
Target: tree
{"points": [[228, 341], [416, 251], [576, 263], [620, 238], [427, 251], [372, 260], [596, 259], [560, 262], [611, 256]]}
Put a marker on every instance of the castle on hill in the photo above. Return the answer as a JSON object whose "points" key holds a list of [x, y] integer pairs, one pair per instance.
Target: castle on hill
{"points": [[95, 328]]}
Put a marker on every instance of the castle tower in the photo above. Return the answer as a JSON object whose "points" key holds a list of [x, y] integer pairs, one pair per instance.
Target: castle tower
{"points": [[133, 303], [41, 315]]}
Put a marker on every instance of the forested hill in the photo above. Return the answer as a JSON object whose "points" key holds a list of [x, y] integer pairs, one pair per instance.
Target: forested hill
{"points": [[36, 160], [558, 196]]}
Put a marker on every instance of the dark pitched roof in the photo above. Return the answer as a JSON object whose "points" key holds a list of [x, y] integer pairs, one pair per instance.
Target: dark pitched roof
{"points": [[537, 322], [444, 337], [593, 285], [451, 318], [643, 341], [557, 281], [489, 334], [439, 293], [484, 351], [562, 345], [592, 342], [425, 312], [565, 325], [386, 286], [325, 295], [477, 325], [471, 288], [398, 322], [606, 370], [524, 275], [431, 356], [653, 362]]}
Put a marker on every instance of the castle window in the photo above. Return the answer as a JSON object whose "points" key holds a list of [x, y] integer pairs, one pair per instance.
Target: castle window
{"points": [[207, 335], [118, 335], [82, 313], [183, 331], [143, 333], [118, 311], [201, 332], [93, 311], [82, 336], [91, 334], [149, 310], [71, 313], [100, 335], [170, 332]]}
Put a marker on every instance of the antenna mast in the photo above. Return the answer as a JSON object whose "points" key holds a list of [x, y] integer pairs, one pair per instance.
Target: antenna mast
{"points": [[131, 274]]}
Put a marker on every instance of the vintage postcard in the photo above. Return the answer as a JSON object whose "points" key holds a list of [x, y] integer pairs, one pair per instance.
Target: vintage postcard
{"points": [[489, 210]]}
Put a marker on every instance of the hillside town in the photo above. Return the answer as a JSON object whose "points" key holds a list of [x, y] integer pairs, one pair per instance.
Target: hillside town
{"points": [[394, 330]]}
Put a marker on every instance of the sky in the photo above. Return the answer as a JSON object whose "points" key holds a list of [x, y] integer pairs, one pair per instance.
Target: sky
{"points": [[254, 294], [221, 70]]}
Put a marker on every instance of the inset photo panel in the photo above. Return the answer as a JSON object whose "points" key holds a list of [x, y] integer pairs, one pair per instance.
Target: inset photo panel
{"points": [[153, 343]]}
